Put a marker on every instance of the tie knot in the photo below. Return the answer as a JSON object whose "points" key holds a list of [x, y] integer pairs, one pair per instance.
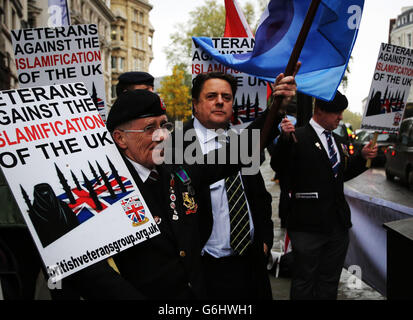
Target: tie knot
{"points": [[154, 175], [327, 133]]}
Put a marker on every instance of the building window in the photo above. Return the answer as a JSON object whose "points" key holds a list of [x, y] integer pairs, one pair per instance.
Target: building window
{"points": [[14, 19], [3, 11], [114, 63], [121, 63], [122, 33], [138, 64], [6, 10], [409, 40], [113, 35], [113, 93]]}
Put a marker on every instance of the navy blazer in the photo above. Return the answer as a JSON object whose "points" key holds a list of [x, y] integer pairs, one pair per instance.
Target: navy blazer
{"points": [[259, 201], [320, 204]]}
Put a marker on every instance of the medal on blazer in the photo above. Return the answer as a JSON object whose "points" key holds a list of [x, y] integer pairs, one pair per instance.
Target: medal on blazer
{"points": [[189, 203], [187, 197], [172, 197], [346, 154], [345, 151], [186, 180]]}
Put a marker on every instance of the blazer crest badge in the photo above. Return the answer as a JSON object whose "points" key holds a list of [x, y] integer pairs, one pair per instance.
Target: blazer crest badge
{"points": [[134, 210]]}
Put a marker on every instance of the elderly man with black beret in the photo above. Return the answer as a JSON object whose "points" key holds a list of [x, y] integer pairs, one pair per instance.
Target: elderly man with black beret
{"points": [[316, 168], [168, 265], [134, 80]]}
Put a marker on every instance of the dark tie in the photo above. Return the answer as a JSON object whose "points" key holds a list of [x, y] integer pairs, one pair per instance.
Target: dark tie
{"points": [[332, 153], [154, 176], [240, 236]]}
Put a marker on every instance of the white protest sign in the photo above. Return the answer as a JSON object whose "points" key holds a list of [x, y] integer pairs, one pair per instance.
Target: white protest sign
{"points": [[46, 56], [389, 89], [251, 97], [75, 193]]}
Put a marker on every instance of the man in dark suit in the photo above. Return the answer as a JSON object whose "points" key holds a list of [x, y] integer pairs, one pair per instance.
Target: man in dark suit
{"points": [[167, 266], [316, 168], [229, 273]]}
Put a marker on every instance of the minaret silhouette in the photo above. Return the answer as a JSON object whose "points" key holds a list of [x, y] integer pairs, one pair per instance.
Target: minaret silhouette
{"points": [[256, 106], [94, 96], [385, 94], [95, 175], [65, 186], [26, 198], [76, 181], [92, 192], [248, 107], [106, 181], [116, 175]]}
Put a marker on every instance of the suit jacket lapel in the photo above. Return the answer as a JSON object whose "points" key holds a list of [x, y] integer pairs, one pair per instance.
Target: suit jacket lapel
{"points": [[164, 226], [316, 143], [324, 153]]}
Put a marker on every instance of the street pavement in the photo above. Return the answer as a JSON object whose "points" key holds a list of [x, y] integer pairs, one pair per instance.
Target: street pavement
{"points": [[350, 288]]}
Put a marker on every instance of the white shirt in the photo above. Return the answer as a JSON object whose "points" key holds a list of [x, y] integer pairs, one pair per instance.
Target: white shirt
{"points": [[320, 132], [141, 170], [218, 244]]}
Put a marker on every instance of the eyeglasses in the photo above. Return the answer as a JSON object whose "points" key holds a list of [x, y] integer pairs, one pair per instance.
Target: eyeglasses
{"points": [[168, 126]]}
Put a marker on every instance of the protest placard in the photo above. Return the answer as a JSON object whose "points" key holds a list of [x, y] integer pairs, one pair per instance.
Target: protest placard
{"points": [[251, 97], [73, 189], [389, 90], [66, 54]]}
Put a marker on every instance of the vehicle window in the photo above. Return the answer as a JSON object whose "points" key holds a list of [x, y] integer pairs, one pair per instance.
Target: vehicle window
{"points": [[404, 132], [363, 136], [385, 138], [410, 140]]}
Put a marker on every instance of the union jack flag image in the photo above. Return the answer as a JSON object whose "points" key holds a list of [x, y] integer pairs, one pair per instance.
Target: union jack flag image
{"points": [[135, 211], [92, 196], [101, 106]]}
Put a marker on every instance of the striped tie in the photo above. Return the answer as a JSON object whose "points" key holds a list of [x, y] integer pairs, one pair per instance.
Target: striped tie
{"points": [[332, 153], [238, 213], [154, 175]]}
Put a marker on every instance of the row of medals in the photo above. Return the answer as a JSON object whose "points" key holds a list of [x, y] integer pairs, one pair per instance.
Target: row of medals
{"points": [[172, 197]]}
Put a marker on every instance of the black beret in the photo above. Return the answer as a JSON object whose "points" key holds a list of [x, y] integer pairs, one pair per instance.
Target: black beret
{"points": [[136, 77], [132, 105], [338, 104]]}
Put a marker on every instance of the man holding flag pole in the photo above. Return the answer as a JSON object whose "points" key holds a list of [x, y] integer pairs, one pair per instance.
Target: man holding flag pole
{"points": [[324, 33], [232, 270]]}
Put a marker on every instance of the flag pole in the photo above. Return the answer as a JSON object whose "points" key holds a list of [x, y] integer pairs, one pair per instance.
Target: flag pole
{"points": [[275, 109]]}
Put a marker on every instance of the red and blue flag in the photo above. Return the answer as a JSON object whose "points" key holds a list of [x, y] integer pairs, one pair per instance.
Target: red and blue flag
{"points": [[325, 54]]}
